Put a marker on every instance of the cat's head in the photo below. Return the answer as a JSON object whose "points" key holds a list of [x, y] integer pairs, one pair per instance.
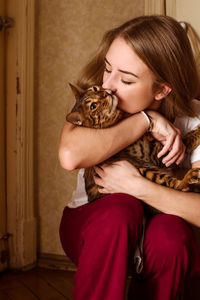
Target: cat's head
{"points": [[94, 108]]}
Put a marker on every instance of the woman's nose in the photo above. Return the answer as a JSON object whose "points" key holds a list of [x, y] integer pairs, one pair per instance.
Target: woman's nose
{"points": [[109, 85]]}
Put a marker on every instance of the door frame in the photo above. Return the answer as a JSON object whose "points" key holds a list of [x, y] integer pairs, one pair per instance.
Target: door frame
{"points": [[21, 220], [171, 8], [3, 229], [152, 7]]}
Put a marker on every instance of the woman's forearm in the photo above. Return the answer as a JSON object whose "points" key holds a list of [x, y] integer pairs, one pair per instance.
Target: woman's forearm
{"points": [[170, 201], [83, 147]]}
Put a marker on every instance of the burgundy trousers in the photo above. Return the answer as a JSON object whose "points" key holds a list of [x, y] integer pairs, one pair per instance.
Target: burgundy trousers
{"points": [[101, 237]]}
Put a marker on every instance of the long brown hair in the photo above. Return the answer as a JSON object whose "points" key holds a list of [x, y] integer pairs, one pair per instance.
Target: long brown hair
{"points": [[162, 44]]}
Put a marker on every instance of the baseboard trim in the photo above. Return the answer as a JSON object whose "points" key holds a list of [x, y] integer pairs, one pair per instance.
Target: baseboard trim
{"points": [[55, 261]]}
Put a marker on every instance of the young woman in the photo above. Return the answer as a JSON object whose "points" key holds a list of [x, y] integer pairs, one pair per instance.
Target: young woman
{"points": [[148, 63]]}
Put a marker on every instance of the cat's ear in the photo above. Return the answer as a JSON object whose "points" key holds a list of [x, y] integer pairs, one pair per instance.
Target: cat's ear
{"points": [[76, 91], [75, 118]]}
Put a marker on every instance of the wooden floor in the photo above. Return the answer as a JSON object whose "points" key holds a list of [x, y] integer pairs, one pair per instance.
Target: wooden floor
{"points": [[46, 284], [36, 284]]}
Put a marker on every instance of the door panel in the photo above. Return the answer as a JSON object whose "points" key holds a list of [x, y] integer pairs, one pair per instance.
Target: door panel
{"points": [[3, 241]]}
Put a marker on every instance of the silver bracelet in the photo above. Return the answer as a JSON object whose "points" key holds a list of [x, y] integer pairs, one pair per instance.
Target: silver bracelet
{"points": [[148, 120]]}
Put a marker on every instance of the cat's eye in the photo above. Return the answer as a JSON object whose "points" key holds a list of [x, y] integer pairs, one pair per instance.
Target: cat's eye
{"points": [[93, 105], [106, 70], [95, 89]]}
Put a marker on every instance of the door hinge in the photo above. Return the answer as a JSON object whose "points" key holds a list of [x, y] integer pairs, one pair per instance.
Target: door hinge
{"points": [[6, 22]]}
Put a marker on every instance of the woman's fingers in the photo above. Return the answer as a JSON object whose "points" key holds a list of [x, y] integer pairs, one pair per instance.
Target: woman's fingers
{"points": [[97, 176], [99, 180], [173, 148], [104, 190], [176, 150], [182, 155], [170, 137], [167, 146], [175, 159]]}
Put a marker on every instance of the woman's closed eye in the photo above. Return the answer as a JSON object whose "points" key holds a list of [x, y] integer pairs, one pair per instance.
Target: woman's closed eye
{"points": [[109, 71], [126, 82]]}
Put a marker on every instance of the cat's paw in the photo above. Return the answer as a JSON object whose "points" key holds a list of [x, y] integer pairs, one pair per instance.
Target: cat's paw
{"points": [[191, 181], [193, 176]]}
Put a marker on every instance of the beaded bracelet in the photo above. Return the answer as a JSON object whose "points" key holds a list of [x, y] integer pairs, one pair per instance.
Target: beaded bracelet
{"points": [[148, 120]]}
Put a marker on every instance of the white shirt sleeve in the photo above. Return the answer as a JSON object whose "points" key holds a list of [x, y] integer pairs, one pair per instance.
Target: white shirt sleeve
{"points": [[186, 124], [195, 156]]}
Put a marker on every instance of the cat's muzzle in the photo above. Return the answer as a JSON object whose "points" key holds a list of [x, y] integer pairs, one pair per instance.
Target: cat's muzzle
{"points": [[113, 102]]}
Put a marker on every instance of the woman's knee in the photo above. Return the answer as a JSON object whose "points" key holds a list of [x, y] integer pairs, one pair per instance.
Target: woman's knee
{"points": [[169, 239], [113, 216], [117, 216], [122, 209]]}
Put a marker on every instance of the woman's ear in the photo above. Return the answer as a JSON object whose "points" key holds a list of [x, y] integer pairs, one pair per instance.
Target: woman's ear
{"points": [[163, 92]]}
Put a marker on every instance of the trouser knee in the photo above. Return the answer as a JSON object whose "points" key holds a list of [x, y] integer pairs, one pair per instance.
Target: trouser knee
{"points": [[122, 209], [169, 241]]}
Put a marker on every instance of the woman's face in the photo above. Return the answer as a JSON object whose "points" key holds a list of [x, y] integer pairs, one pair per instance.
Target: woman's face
{"points": [[129, 78]]}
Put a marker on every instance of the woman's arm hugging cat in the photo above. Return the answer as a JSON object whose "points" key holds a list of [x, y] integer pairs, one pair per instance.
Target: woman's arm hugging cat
{"points": [[98, 108], [76, 152]]}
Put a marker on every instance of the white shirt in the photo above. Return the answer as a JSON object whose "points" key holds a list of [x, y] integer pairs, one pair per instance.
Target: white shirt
{"points": [[185, 124]]}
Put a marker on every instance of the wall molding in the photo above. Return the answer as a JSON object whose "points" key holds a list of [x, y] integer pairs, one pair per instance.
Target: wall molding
{"points": [[55, 261]]}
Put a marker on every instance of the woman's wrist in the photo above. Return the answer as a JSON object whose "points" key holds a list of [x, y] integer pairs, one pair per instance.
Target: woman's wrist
{"points": [[136, 126], [135, 186], [154, 117], [148, 119]]}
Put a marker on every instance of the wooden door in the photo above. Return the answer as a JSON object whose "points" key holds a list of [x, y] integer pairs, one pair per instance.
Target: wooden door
{"points": [[17, 211], [3, 229], [21, 220]]}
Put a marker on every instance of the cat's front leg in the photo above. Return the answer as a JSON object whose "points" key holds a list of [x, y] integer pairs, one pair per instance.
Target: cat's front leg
{"points": [[191, 181]]}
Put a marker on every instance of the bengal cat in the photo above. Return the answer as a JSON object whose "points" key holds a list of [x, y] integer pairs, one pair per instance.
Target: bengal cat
{"points": [[97, 108]]}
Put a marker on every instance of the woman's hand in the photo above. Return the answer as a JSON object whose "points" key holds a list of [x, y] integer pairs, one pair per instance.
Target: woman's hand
{"points": [[170, 136], [118, 178]]}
